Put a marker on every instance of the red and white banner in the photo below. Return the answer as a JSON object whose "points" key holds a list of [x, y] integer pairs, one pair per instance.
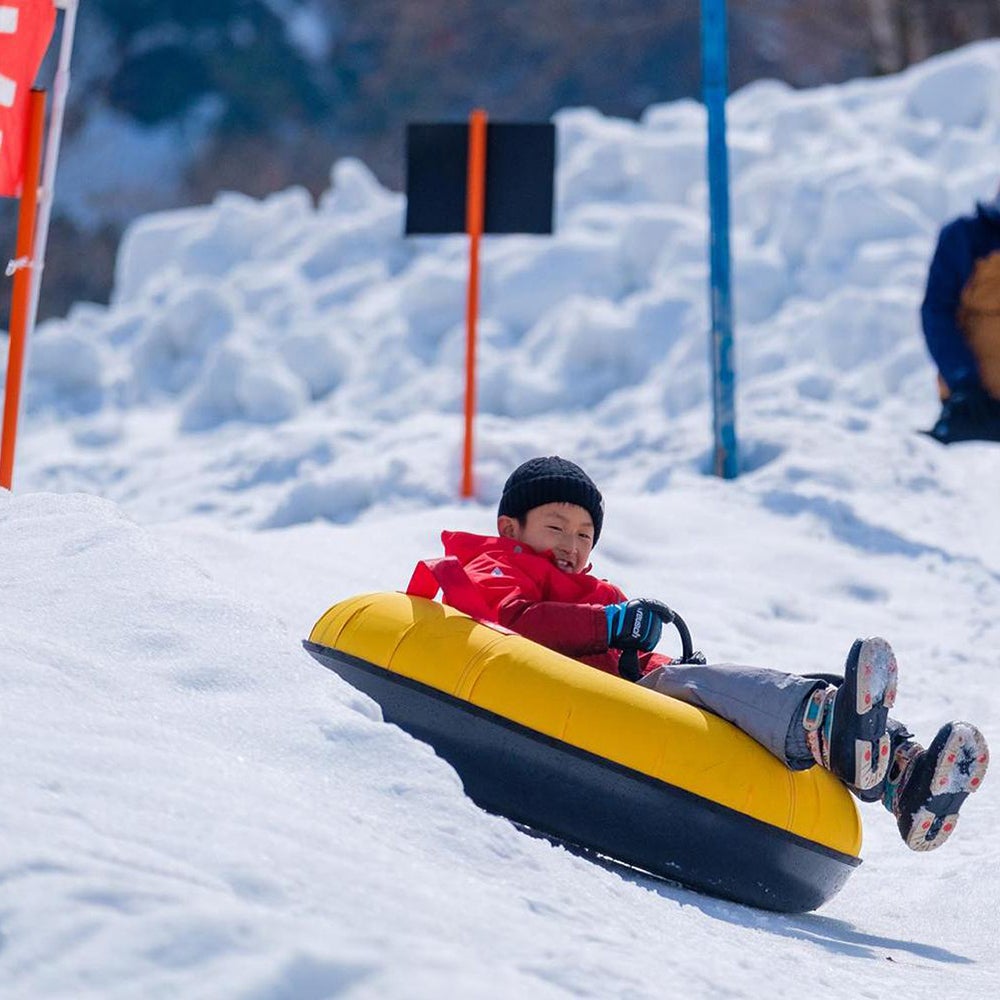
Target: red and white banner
{"points": [[25, 32]]}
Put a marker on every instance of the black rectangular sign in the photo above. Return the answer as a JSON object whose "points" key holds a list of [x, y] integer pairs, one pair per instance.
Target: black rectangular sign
{"points": [[520, 176]]}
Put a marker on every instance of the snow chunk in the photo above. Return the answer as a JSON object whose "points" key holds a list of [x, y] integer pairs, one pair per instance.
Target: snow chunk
{"points": [[204, 241], [355, 188], [170, 354], [955, 93], [67, 371], [242, 385]]}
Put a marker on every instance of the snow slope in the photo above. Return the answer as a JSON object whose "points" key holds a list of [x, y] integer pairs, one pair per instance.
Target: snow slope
{"points": [[267, 419]]}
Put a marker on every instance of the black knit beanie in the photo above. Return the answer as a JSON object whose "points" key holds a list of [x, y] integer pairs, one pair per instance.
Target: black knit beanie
{"points": [[551, 480]]}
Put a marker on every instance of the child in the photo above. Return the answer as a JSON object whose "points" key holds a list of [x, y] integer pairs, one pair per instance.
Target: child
{"points": [[535, 580]]}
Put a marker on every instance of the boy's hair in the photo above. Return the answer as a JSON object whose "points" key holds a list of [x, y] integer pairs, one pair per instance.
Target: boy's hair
{"points": [[551, 479]]}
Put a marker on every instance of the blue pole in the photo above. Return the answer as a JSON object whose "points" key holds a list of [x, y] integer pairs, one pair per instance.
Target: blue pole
{"points": [[714, 61]]}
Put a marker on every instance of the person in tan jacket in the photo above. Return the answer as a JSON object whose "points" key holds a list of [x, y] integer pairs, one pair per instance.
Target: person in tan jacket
{"points": [[960, 316]]}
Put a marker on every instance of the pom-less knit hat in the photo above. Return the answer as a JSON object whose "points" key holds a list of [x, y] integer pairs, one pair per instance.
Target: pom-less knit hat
{"points": [[551, 480]]}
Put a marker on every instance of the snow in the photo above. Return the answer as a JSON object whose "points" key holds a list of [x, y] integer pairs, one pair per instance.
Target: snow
{"points": [[267, 419]]}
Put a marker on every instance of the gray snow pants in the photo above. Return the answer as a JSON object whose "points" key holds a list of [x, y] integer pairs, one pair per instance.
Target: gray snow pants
{"points": [[766, 704]]}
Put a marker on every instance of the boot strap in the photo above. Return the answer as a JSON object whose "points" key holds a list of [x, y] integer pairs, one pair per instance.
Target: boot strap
{"points": [[813, 723], [898, 770]]}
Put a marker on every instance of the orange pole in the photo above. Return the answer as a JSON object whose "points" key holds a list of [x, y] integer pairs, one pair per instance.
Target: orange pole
{"points": [[475, 211], [21, 298]]}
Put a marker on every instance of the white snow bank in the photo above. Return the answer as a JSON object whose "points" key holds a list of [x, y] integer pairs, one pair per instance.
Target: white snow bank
{"points": [[193, 806], [260, 314]]}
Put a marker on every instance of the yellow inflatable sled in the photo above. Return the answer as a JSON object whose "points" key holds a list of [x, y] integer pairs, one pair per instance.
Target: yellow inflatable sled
{"points": [[594, 760]]}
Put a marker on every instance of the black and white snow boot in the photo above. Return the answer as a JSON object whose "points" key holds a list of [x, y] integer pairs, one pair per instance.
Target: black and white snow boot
{"points": [[925, 788], [846, 725]]}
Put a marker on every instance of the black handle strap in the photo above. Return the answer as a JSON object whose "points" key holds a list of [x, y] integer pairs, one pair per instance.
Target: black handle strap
{"points": [[628, 662]]}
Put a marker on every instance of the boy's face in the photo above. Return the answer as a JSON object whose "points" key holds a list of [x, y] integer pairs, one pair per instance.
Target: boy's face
{"points": [[564, 528]]}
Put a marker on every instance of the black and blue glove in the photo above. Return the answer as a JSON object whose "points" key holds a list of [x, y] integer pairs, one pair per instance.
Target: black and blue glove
{"points": [[636, 624]]}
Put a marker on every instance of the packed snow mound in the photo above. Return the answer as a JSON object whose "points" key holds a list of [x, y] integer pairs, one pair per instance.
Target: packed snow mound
{"points": [[322, 319], [179, 759], [193, 807]]}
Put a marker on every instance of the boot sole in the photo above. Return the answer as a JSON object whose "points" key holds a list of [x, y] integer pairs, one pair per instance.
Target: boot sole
{"points": [[959, 771], [872, 671]]}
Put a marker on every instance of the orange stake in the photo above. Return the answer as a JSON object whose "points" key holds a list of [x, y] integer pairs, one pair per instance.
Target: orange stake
{"points": [[21, 298], [475, 211]]}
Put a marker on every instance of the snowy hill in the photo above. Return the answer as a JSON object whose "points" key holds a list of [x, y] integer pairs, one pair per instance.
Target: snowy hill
{"points": [[267, 419]]}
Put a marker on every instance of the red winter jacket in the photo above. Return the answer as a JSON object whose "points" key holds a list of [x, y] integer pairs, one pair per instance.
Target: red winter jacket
{"points": [[502, 580]]}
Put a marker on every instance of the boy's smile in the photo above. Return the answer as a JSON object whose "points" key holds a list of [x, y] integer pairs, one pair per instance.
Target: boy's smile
{"points": [[564, 529]]}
